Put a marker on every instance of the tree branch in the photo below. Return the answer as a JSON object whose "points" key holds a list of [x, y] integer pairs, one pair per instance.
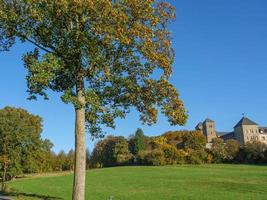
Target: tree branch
{"points": [[39, 46]]}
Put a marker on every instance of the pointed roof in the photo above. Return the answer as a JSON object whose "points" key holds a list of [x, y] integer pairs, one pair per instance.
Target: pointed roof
{"points": [[198, 126], [245, 121], [208, 120]]}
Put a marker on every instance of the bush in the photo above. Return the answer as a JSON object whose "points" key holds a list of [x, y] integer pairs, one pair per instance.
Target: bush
{"points": [[154, 157], [172, 155], [232, 148], [5, 189], [197, 156], [218, 150], [255, 152]]}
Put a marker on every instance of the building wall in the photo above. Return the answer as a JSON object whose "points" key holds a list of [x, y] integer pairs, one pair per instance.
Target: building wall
{"points": [[263, 138], [249, 133], [238, 135], [209, 131]]}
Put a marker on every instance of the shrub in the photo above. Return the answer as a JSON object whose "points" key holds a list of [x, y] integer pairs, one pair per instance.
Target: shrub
{"points": [[218, 150], [232, 148], [154, 157], [172, 155], [197, 156], [255, 152]]}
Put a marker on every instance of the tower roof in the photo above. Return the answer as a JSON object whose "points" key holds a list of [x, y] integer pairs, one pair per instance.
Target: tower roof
{"points": [[198, 126], [208, 120], [245, 121]]}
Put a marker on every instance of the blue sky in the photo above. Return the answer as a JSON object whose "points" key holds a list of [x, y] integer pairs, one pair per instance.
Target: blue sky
{"points": [[220, 71]]}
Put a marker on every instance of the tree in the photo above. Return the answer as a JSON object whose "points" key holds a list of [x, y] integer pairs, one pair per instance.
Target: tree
{"points": [[116, 151], [88, 159], [45, 157], [139, 141], [194, 140], [255, 152], [20, 142], [70, 160], [61, 160], [121, 151], [218, 150], [101, 55], [231, 149]]}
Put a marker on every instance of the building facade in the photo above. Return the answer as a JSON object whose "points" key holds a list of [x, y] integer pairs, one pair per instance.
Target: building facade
{"points": [[244, 131]]}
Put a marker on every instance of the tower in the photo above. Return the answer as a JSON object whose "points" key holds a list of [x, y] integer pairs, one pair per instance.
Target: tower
{"points": [[246, 130], [209, 130]]}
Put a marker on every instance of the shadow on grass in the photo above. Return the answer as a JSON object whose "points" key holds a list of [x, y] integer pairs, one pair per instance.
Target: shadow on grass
{"points": [[22, 196]]}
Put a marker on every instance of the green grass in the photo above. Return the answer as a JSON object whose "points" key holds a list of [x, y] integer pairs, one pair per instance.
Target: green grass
{"points": [[207, 182]]}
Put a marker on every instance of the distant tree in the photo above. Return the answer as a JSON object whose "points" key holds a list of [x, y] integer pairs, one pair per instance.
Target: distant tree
{"points": [[111, 151], [45, 157], [101, 55], [198, 156], [61, 161], [20, 142], [166, 153], [173, 155], [98, 154], [121, 151], [137, 142], [70, 160], [154, 157], [194, 140], [131, 144], [88, 159], [231, 148], [255, 152], [218, 150], [116, 151]]}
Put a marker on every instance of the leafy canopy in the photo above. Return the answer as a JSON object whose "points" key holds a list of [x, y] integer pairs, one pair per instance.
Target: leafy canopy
{"points": [[120, 50], [139, 141], [21, 145]]}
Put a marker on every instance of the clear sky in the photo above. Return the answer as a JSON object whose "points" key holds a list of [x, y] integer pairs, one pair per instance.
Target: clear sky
{"points": [[220, 71]]}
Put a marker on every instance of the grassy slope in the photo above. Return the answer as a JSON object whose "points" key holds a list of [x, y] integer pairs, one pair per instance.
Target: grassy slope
{"points": [[158, 183]]}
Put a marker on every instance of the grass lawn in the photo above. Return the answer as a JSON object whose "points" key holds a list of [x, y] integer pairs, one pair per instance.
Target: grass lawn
{"points": [[205, 182]]}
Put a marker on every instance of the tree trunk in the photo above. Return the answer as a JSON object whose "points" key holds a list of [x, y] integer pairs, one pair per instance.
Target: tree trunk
{"points": [[4, 177], [80, 149]]}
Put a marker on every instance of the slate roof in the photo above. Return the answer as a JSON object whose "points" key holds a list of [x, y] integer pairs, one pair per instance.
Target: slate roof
{"points": [[221, 133], [208, 120], [199, 126], [245, 121], [227, 136]]}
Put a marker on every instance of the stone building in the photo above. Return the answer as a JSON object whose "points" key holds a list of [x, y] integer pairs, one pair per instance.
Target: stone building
{"points": [[244, 131]]}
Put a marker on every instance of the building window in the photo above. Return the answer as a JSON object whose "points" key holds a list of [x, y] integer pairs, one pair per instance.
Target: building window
{"points": [[246, 131], [257, 138], [210, 126], [263, 138]]}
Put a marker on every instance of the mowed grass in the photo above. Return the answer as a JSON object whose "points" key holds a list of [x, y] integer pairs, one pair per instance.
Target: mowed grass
{"points": [[205, 182]]}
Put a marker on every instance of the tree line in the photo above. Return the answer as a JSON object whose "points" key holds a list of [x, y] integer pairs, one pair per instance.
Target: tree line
{"points": [[23, 151], [174, 147]]}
